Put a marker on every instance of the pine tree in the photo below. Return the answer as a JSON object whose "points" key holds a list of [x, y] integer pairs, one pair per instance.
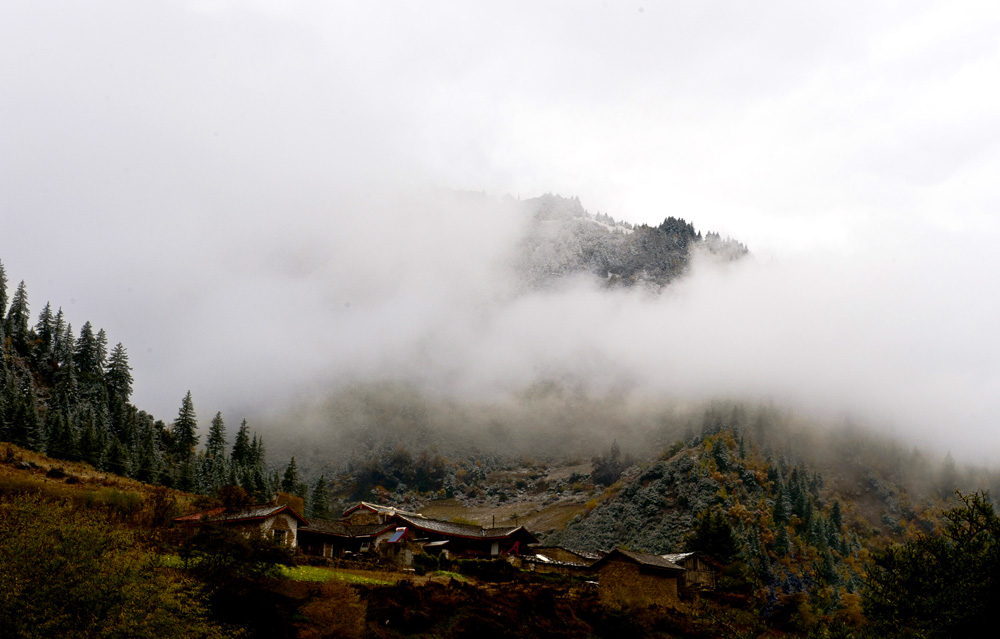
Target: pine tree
{"points": [[241, 447], [85, 353], [185, 438], [45, 330], [25, 427], [66, 390], [117, 458], [101, 342], [119, 374], [215, 445], [16, 324], [147, 455], [290, 481], [91, 447], [319, 503], [60, 438], [836, 517], [3, 294], [215, 464]]}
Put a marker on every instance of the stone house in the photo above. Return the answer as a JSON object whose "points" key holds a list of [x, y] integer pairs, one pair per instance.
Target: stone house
{"points": [[279, 522], [627, 577], [556, 559]]}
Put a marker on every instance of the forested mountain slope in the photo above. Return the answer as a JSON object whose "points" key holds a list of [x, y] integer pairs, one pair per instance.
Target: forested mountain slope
{"points": [[565, 239]]}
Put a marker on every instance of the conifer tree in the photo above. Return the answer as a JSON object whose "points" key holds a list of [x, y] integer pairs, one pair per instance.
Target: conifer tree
{"points": [[319, 502], [60, 439], [45, 330], [241, 447], [836, 517], [65, 391], [184, 435], [91, 447], [101, 342], [215, 462], [290, 481], [147, 456], [119, 374], [215, 444], [85, 352], [58, 326], [25, 427], [16, 324], [117, 458], [3, 295]]}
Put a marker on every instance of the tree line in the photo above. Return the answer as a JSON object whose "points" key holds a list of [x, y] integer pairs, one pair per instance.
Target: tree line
{"points": [[65, 394]]}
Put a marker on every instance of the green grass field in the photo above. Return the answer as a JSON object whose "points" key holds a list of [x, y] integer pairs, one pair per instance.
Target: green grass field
{"points": [[313, 573]]}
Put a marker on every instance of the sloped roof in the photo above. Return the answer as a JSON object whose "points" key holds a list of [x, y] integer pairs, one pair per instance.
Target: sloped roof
{"points": [[380, 509], [344, 529], [678, 557], [420, 522], [469, 531], [641, 558], [327, 527], [543, 559], [197, 517], [583, 554], [222, 516]]}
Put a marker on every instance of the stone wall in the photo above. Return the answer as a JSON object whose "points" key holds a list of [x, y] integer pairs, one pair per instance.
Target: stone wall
{"points": [[624, 582]]}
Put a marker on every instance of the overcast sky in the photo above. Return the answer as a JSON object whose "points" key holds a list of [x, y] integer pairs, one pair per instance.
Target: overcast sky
{"points": [[252, 196]]}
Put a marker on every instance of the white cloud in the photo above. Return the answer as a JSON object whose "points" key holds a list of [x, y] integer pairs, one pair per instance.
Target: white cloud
{"points": [[214, 183]]}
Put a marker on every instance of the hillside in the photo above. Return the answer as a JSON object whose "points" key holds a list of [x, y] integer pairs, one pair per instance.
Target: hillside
{"points": [[564, 239]]}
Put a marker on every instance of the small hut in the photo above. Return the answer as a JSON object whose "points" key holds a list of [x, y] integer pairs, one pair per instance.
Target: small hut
{"points": [[279, 522], [627, 577]]}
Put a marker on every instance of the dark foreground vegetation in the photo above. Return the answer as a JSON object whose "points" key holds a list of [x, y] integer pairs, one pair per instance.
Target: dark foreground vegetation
{"points": [[87, 554]]}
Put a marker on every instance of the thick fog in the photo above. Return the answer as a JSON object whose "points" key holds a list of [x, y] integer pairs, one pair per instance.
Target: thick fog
{"points": [[268, 202]]}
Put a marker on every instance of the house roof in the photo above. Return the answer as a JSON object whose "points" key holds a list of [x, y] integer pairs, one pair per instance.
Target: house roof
{"points": [[254, 513], [544, 559], [643, 559], [344, 529], [417, 522], [678, 557], [468, 531], [380, 509], [582, 554]]}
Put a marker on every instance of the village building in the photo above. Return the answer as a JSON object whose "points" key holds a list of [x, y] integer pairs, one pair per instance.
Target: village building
{"points": [[699, 573], [557, 559], [338, 539], [627, 577], [368, 513], [397, 535], [279, 522]]}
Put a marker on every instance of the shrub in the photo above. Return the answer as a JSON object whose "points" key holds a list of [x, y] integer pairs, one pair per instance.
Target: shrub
{"points": [[495, 570], [424, 563], [72, 573]]}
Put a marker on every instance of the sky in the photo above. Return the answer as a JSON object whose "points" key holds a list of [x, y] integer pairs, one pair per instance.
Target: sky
{"points": [[258, 198]]}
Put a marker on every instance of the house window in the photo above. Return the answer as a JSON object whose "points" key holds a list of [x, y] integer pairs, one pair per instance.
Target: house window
{"points": [[279, 536]]}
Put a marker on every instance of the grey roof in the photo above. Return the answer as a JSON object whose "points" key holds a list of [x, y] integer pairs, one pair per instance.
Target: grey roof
{"points": [[677, 557], [343, 529], [460, 530], [641, 558], [221, 515], [382, 510], [583, 554], [542, 559], [419, 522]]}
